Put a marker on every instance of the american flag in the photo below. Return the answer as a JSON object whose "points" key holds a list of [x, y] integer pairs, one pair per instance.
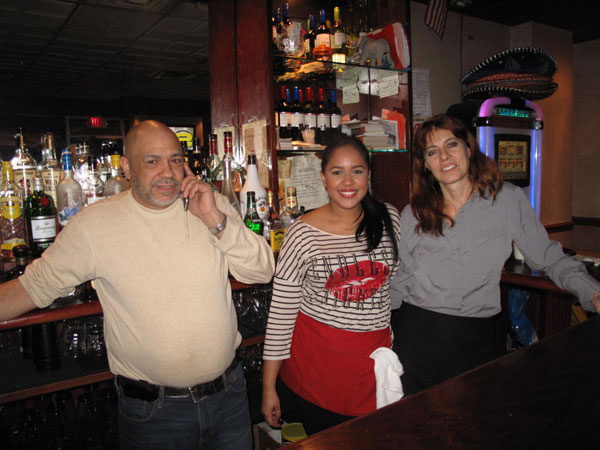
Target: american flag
{"points": [[435, 16]]}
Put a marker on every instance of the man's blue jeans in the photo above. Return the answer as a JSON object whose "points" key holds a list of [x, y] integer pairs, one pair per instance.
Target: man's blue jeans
{"points": [[220, 421]]}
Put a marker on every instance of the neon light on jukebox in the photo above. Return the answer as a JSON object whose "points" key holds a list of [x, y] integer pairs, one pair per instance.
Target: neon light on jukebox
{"points": [[510, 132]]}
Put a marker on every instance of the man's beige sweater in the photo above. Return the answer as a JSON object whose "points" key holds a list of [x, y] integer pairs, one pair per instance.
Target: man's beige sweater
{"points": [[162, 280]]}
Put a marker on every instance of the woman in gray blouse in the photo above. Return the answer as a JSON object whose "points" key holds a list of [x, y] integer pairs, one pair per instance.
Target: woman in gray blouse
{"points": [[457, 234]]}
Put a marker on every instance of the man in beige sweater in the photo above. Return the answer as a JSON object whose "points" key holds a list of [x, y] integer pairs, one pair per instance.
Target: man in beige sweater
{"points": [[161, 273]]}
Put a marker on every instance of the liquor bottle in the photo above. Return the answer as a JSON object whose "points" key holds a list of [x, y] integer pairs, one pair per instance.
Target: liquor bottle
{"points": [[322, 37], [69, 194], [251, 219], [49, 168], [323, 118], [338, 37], [81, 166], [273, 231], [309, 37], [195, 158], [106, 149], [310, 115], [116, 183], [214, 163], [297, 116], [228, 189], [40, 212], [285, 115], [21, 254], [23, 164], [276, 27], [335, 112], [94, 192], [291, 212], [253, 184], [12, 220]]}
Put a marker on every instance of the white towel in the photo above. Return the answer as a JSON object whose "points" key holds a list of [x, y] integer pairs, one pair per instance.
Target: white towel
{"points": [[388, 370]]}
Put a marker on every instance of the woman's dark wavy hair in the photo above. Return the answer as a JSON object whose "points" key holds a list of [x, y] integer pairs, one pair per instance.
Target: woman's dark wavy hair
{"points": [[375, 216], [427, 200]]}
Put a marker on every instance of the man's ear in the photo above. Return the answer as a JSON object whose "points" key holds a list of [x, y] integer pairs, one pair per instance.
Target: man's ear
{"points": [[126, 167]]}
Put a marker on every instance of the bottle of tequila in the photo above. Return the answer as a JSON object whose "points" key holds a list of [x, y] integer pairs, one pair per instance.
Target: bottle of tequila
{"points": [[12, 221], [23, 164], [41, 219], [49, 168], [273, 231], [291, 212]]}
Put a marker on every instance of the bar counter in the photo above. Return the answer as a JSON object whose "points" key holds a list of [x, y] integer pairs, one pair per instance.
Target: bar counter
{"points": [[546, 396]]}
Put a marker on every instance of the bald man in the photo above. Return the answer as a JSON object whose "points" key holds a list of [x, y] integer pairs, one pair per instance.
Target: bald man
{"points": [[161, 274]]}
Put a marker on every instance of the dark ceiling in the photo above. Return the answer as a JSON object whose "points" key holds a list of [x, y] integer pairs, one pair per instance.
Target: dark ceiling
{"points": [[106, 49], [582, 17]]}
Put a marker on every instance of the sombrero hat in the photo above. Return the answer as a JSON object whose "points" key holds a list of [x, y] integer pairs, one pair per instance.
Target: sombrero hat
{"points": [[519, 72]]}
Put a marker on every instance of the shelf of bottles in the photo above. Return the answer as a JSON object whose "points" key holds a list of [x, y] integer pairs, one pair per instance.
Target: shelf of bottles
{"points": [[339, 76]]}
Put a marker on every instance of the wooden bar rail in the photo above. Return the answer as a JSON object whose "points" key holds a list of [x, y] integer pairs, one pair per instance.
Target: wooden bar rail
{"points": [[546, 396], [71, 311]]}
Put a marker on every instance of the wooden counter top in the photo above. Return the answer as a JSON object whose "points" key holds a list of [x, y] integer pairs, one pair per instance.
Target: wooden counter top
{"points": [[545, 396]]}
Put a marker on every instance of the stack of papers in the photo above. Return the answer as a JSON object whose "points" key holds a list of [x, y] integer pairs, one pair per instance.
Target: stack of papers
{"points": [[373, 133]]}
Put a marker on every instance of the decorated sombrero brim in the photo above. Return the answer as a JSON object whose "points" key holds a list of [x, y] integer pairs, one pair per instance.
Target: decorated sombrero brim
{"points": [[521, 72]]}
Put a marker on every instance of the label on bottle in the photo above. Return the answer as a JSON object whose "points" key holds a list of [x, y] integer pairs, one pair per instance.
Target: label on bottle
{"points": [[323, 39], [66, 214], [285, 119], [307, 48], [43, 228], [51, 178], [11, 207], [323, 121], [261, 207], [10, 243], [339, 39], [24, 178], [276, 239], [297, 119], [310, 120], [336, 121]]}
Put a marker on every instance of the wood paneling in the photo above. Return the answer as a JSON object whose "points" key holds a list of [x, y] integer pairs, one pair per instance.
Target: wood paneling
{"points": [[223, 84], [255, 93], [390, 178]]}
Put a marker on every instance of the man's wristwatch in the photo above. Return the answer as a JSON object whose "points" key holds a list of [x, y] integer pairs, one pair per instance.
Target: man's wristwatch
{"points": [[216, 230]]}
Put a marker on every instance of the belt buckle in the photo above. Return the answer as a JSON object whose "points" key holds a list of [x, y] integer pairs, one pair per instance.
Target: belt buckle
{"points": [[198, 393]]}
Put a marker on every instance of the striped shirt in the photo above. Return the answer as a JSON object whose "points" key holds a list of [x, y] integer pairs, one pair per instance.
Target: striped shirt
{"points": [[333, 280]]}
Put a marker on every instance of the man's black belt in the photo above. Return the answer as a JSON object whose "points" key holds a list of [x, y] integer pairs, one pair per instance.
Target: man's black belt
{"points": [[142, 390]]}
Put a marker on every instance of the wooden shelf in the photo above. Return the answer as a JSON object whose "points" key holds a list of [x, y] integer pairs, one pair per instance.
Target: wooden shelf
{"points": [[55, 387], [53, 313]]}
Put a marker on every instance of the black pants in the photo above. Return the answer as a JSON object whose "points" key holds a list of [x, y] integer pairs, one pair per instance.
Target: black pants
{"points": [[435, 347], [313, 417]]}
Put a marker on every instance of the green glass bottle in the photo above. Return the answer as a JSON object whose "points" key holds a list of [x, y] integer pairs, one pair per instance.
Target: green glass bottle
{"points": [[40, 212], [252, 219]]}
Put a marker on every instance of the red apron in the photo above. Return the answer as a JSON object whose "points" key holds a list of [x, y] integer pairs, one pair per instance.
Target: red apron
{"points": [[332, 368]]}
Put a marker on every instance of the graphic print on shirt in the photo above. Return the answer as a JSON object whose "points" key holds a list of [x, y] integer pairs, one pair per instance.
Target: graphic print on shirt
{"points": [[350, 280]]}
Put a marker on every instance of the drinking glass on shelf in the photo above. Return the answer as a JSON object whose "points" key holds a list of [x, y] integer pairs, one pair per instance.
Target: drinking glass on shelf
{"points": [[94, 337], [73, 338]]}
